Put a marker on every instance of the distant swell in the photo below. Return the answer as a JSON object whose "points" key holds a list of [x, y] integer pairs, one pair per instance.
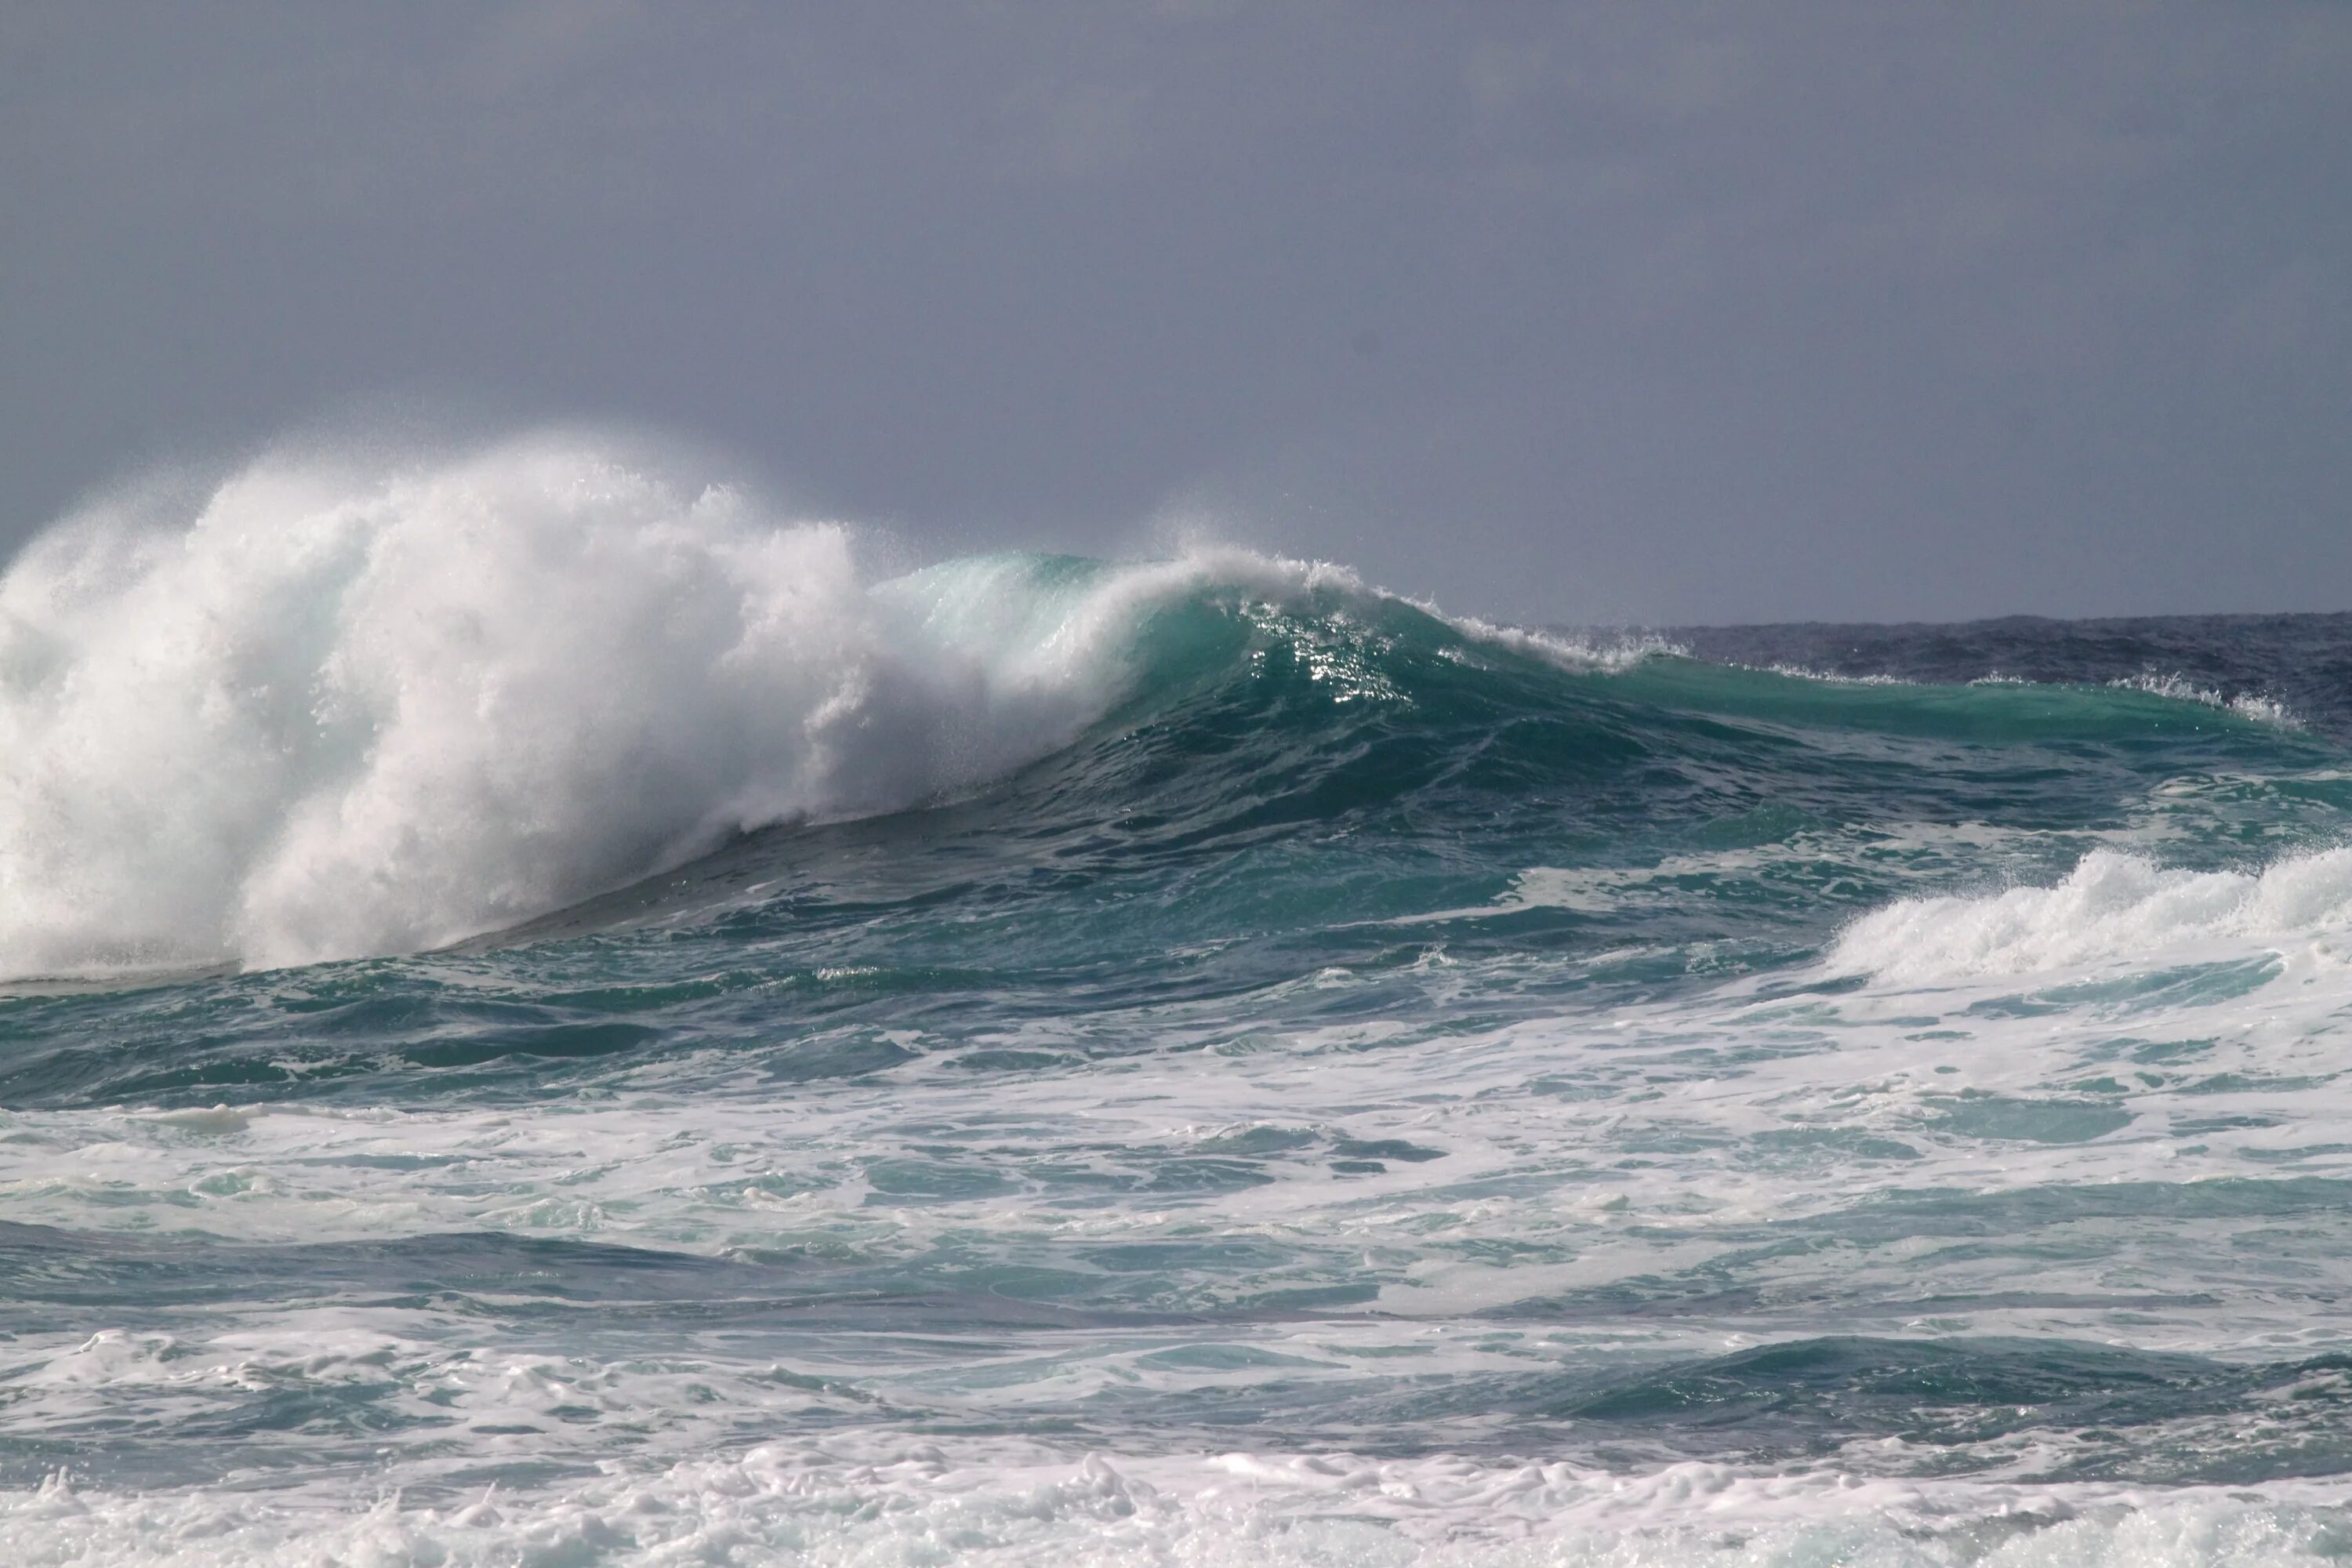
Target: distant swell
{"points": [[350, 709]]}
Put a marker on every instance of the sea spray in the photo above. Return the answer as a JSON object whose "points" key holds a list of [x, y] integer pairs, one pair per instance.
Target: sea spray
{"points": [[347, 710]]}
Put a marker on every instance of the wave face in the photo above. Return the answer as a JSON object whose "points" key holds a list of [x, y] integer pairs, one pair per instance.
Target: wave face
{"points": [[562, 1016]]}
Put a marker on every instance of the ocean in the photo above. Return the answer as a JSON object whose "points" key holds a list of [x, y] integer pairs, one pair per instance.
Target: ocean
{"points": [[555, 1016]]}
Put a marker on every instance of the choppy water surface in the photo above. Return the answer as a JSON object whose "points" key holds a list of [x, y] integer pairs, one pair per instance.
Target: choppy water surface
{"points": [[1048, 1061]]}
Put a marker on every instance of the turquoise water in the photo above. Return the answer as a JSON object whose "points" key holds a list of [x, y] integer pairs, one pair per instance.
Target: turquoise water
{"points": [[559, 1020]]}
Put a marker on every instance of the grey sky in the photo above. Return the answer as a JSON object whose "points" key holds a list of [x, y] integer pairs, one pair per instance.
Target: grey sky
{"points": [[1654, 311]]}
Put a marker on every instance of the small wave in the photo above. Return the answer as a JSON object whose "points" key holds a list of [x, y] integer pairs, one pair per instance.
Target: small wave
{"points": [[2179, 688], [2173, 688], [2113, 907]]}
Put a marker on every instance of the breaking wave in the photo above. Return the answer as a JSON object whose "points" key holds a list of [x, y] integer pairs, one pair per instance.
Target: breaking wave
{"points": [[343, 711], [2113, 907]]}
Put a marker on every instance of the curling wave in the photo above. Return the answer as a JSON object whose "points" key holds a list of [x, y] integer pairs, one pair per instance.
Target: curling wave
{"points": [[345, 712]]}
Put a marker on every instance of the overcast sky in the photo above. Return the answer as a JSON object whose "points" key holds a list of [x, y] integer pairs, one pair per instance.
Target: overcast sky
{"points": [[1644, 311]]}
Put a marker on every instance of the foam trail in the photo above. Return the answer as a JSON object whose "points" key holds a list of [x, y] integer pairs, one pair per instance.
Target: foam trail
{"points": [[354, 710]]}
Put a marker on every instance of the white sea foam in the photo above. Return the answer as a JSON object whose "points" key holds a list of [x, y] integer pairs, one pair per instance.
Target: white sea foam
{"points": [[350, 709], [1529, 1162], [1804, 1116], [2115, 908], [914, 1502]]}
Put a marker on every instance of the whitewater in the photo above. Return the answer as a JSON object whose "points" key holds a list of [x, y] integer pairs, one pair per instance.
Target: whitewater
{"points": [[554, 1012]]}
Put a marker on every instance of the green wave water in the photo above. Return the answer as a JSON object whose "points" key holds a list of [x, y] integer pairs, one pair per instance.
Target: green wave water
{"points": [[603, 1033]]}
